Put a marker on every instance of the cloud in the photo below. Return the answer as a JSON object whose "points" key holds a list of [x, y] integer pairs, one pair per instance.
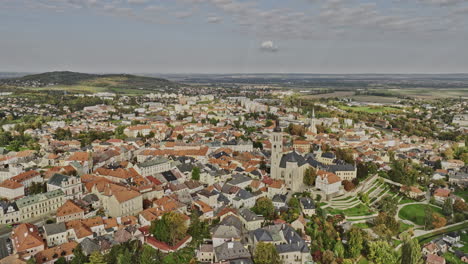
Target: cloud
{"points": [[268, 46], [137, 2], [183, 14], [214, 19]]}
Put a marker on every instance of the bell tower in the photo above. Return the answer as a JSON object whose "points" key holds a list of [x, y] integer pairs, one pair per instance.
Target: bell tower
{"points": [[276, 151]]}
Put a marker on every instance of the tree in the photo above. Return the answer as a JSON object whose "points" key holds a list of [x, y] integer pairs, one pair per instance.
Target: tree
{"points": [[149, 255], [428, 217], [180, 137], [438, 221], [381, 252], [79, 256], [265, 253], [388, 205], [348, 186], [170, 228], [196, 173], [96, 258], [61, 260], [328, 257], [339, 249], [447, 207], [460, 206], [411, 251], [264, 206], [309, 176], [355, 243], [124, 257]]}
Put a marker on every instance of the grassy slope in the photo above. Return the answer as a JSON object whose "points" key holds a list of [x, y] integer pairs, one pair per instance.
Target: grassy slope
{"points": [[90, 83], [415, 213]]}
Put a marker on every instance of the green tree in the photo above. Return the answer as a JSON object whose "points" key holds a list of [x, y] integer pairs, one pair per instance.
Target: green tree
{"points": [[309, 176], [61, 260], [339, 249], [264, 206], [170, 228], [149, 255], [428, 217], [79, 256], [124, 257], [328, 257], [355, 243], [381, 252], [96, 258], [447, 207], [411, 251], [265, 253], [196, 173]]}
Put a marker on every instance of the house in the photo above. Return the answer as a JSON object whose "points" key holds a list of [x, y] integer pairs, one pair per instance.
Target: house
{"points": [[307, 206], [9, 213], [119, 200], [26, 240], [434, 259], [250, 219], [55, 234], [412, 191], [28, 178], [205, 253], [290, 246], [327, 182], [229, 251], [244, 198], [440, 195], [279, 201], [40, 204], [165, 248], [70, 185], [153, 166], [69, 211], [50, 255], [224, 233], [10, 189]]}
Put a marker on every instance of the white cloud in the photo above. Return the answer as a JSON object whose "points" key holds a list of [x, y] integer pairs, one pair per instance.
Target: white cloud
{"points": [[214, 19], [268, 46], [137, 2]]}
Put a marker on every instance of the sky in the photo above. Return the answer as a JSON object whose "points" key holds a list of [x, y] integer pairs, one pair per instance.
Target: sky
{"points": [[234, 36]]}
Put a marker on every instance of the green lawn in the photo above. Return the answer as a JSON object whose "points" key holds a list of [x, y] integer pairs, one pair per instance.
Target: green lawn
{"points": [[452, 259], [404, 227], [464, 239], [406, 200], [415, 213]]}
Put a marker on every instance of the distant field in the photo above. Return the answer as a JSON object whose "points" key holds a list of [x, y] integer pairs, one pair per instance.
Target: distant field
{"points": [[370, 109], [420, 93]]}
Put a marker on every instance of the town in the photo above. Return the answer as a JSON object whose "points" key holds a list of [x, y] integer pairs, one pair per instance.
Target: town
{"points": [[271, 177]]}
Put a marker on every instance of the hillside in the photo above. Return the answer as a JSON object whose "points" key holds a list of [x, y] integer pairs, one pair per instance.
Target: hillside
{"points": [[85, 82]]}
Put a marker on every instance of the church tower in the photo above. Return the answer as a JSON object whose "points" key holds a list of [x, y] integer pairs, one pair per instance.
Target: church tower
{"points": [[313, 124], [276, 151]]}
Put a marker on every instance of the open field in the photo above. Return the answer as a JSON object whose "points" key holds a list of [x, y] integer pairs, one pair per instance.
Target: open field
{"points": [[395, 94], [415, 213], [370, 109]]}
